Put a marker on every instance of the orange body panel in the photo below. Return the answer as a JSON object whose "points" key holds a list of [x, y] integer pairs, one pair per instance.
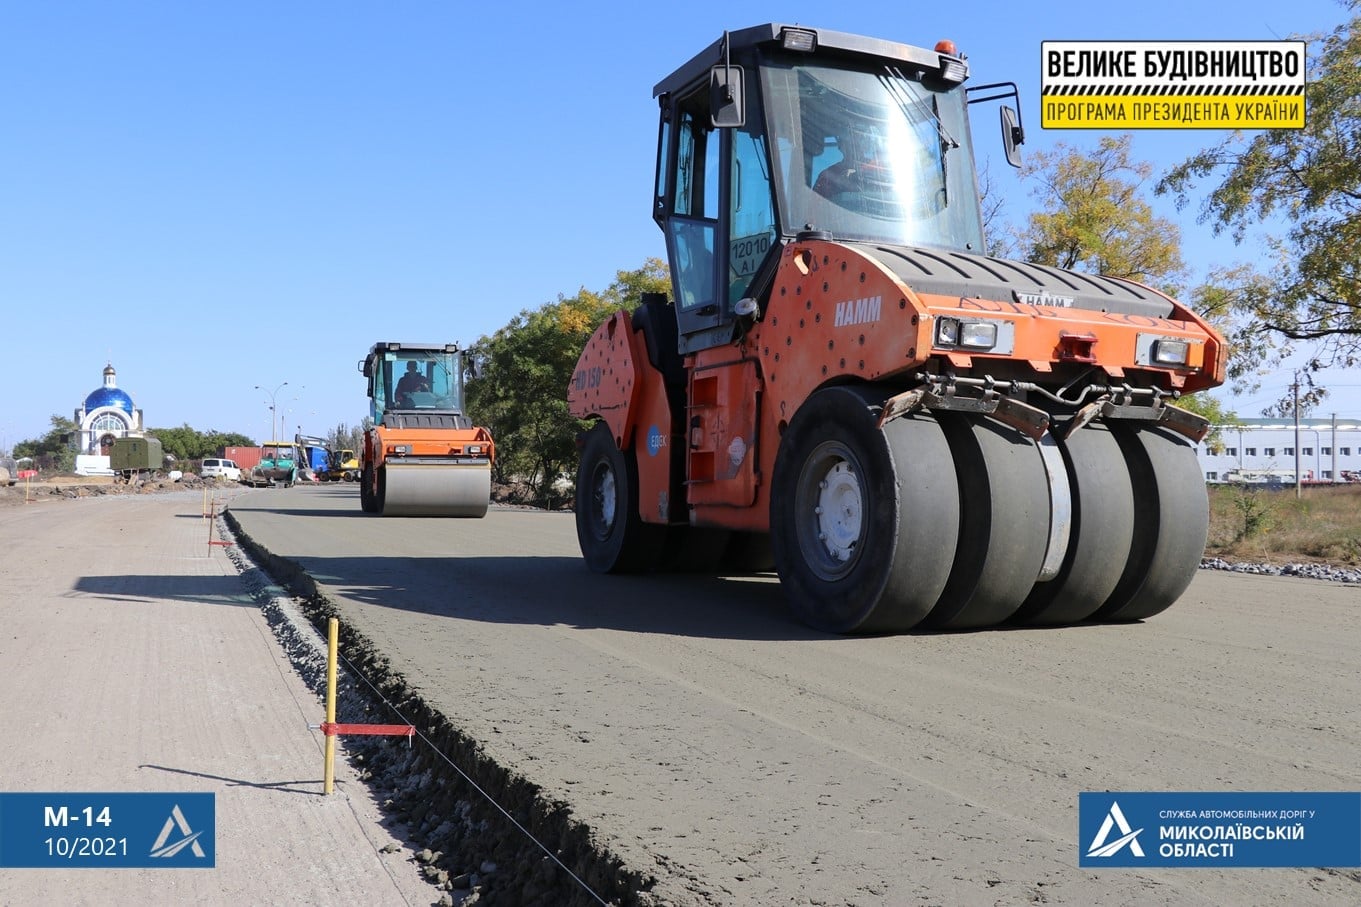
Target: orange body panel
{"points": [[605, 382], [425, 442], [835, 315]]}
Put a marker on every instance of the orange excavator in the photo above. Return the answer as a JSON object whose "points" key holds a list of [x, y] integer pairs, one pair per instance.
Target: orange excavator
{"points": [[422, 456], [844, 384]]}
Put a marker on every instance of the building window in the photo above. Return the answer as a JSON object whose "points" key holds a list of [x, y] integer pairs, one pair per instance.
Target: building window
{"points": [[1346, 451], [1326, 451], [1327, 473], [1269, 451], [1290, 451], [1231, 451], [1250, 451], [1308, 451], [1212, 477]]}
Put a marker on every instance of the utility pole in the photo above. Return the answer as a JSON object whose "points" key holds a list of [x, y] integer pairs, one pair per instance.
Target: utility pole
{"points": [[1298, 481], [273, 409]]}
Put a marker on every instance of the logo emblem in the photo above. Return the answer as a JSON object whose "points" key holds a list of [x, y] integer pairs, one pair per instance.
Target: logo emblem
{"points": [[655, 441], [1115, 819], [1044, 298], [189, 839]]}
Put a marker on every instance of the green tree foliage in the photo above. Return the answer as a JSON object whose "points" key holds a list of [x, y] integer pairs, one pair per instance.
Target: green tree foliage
{"points": [[185, 443], [518, 386], [1094, 216], [1304, 296], [53, 452]]}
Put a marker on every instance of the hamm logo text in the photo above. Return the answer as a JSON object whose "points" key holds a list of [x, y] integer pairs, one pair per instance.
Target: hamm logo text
{"points": [[858, 311]]}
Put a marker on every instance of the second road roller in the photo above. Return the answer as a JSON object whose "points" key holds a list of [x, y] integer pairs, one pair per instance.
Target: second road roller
{"points": [[422, 456]]}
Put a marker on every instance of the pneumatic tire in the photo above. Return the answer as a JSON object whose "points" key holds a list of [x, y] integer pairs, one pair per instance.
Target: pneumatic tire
{"points": [[610, 531], [864, 521], [367, 502]]}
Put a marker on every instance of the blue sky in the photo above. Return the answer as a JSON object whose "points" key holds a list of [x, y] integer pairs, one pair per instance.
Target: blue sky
{"points": [[219, 196]]}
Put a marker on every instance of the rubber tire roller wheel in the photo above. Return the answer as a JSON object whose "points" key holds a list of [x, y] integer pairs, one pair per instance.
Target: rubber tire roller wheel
{"points": [[1171, 523], [612, 535], [1101, 535], [1004, 519], [863, 521]]}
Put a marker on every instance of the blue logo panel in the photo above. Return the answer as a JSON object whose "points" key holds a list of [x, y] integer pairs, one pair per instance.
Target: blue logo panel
{"points": [[108, 830], [1180, 829]]}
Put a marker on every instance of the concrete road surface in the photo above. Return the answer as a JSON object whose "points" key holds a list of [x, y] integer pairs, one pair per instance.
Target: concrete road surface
{"points": [[746, 760], [134, 658]]}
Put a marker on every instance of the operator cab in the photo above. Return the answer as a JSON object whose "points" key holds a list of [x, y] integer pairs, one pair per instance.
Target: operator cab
{"points": [[411, 378], [776, 131]]}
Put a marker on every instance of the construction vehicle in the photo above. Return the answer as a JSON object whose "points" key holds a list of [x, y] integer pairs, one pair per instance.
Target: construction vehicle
{"points": [[915, 434], [280, 463], [422, 456], [341, 465]]}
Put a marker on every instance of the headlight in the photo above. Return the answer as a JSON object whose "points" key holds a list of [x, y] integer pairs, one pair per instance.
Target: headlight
{"points": [[974, 335], [474, 450], [397, 449], [978, 335], [1170, 352]]}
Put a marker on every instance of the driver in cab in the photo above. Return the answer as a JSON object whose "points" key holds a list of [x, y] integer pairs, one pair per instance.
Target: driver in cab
{"points": [[411, 383]]}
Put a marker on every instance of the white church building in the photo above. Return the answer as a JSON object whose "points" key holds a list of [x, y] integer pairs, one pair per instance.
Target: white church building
{"points": [[107, 414]]}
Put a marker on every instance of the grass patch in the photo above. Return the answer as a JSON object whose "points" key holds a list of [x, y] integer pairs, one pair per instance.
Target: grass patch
{"points": [[1271, 524]]}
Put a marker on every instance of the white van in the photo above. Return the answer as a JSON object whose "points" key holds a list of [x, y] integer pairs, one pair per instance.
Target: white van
{"points": [[226, 470]]}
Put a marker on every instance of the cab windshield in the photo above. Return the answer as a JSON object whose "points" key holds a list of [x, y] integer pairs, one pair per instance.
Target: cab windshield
{"points": [[417, 380], [872, 155]]}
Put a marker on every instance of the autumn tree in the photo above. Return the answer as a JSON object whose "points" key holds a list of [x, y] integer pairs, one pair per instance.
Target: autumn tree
{"points": [[1304, 295], [1094, 216], [518, 386]]}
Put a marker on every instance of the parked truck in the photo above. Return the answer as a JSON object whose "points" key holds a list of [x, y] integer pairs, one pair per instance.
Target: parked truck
{"points": [[135, 458], [843, 383]]}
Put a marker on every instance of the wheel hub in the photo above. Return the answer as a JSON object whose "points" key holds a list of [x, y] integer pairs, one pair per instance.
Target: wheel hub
{"points": [[605, 497], [840, 512]]}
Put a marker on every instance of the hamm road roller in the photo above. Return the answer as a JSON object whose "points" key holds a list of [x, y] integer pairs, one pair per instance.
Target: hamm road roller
{"points": [[844, 384], [422, 456]]}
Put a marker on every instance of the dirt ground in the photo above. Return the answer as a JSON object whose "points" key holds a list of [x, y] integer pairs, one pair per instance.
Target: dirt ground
{"points": [[137, 658]]}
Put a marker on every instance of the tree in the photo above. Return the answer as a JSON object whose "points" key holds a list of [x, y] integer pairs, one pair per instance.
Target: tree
{"points": [[518, 389], [53, 451], [343, 437], [1307, 297], [1094, 217], [185, 443]]}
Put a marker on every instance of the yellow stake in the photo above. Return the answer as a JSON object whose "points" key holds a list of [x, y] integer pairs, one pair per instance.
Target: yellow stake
{"points": [[332, 638]]}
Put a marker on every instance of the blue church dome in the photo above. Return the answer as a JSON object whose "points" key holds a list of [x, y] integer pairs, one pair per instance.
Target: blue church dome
{"points": [[108, 396]]}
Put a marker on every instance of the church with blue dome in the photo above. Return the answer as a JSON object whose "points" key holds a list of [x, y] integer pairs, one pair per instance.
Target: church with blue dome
{"points": [[107, 414]]}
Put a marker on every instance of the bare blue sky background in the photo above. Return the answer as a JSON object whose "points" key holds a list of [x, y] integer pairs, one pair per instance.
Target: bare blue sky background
{"points": [[218, 196]]}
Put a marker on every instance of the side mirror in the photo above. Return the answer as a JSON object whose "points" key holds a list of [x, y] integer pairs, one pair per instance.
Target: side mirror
{"points": [[1012, 135], [727, 103]]}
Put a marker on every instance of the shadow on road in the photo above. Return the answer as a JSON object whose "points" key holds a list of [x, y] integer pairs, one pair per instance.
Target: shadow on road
{"points": [[212, 590], [293, 787], [556, 591]]}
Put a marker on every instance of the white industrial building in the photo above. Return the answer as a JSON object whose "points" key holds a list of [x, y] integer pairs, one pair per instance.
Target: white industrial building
{"points": [[1263, 451]]}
